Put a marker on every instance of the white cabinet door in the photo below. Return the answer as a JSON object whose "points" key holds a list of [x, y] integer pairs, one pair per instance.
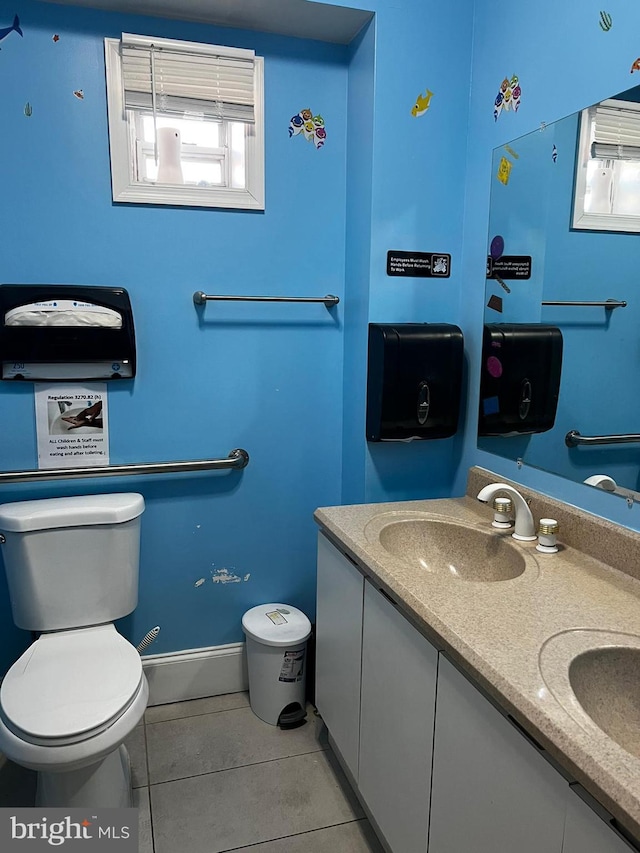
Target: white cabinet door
{"points": [[399, 670], [492, 792], [338, 649], [585, 832]]}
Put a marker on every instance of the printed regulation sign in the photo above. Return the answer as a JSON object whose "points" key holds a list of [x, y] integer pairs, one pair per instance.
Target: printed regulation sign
{"points": [[37, 830]]}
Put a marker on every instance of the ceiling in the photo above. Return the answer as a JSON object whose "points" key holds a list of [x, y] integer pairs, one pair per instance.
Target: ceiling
{"points": [[299, 18]]}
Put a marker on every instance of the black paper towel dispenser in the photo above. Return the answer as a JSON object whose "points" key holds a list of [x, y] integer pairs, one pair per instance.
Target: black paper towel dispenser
{"points": [[520, 378], [414, 381], [63, 332]]}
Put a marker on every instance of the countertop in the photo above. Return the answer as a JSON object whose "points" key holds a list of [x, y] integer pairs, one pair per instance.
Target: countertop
{"points": [[497, 631]]}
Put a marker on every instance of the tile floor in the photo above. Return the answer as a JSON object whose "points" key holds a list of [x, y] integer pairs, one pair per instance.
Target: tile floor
{"points": [[209, 776]]}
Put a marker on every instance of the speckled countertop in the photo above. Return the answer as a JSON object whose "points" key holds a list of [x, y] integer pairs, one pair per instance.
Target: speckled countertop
{"points": [[514, 637]]}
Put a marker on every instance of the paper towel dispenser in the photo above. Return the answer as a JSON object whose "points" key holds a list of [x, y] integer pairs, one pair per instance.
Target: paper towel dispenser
{"points": [[63, 332], [520, 378], [414, 381]]}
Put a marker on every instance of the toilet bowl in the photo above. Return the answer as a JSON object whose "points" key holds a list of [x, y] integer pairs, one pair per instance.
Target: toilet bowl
{"points": [[72, 698], [66, 706]]}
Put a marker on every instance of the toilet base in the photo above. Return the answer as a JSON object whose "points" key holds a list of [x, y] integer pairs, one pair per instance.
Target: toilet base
{"points": [[106, 784]]}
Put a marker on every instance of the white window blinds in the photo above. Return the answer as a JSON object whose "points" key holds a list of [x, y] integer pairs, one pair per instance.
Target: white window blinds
{"points": [[177, 77], [616, 131]]}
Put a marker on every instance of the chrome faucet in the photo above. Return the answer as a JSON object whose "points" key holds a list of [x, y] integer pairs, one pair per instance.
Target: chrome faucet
{"points": [[524, 527]]}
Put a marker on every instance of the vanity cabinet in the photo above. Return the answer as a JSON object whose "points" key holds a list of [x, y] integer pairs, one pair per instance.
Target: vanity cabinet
{"points": [[439, 768], [586, 832], [491, 790], [340, 591], [397, 711]]}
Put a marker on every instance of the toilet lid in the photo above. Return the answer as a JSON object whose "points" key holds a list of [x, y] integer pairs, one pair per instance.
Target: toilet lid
{"points": [[70, 682]]}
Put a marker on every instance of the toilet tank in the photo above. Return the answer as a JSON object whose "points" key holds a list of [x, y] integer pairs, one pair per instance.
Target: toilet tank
{"points": [[71, 562]]}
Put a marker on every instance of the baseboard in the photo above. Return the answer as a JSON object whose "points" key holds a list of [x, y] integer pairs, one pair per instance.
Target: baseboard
{"points": [[196, 673]]}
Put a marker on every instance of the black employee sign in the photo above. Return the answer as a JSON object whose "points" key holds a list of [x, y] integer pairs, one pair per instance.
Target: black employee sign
{"points": [[419, 264], [509, 266]]}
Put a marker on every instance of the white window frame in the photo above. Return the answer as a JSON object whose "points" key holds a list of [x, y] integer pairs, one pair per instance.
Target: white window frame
{"points": [[583, 220], [125, 188]]}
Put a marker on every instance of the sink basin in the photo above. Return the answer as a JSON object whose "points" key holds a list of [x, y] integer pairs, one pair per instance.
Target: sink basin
{"points": [[606, 683], [595, 675], [443, 545]]}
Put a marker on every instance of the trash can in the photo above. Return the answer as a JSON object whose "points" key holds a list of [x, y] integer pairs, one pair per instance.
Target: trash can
{"points": [[277, 637]]}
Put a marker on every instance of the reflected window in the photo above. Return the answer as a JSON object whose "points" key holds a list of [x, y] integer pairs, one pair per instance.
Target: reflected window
{"points": [[607, 181]]}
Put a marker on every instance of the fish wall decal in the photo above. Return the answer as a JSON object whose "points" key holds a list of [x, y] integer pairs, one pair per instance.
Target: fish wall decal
{"points": [[14, 28], [422, 104]]}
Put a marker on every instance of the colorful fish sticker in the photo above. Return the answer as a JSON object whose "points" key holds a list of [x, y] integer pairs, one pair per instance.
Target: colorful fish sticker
{"points": [[55, 38], [606, 21], [504, 170], [635, 65], [79, 94], [312, 127], [508, 96], [422, 104], [295, 125], [14, 28]]}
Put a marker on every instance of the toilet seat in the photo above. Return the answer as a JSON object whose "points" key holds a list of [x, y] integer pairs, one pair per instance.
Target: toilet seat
{"points": [[70, 686]]}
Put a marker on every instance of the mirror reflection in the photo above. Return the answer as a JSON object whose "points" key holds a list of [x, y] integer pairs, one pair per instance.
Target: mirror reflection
{"points": [[561, 351]]}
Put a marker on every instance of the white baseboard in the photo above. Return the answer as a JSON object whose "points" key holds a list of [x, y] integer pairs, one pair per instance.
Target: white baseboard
{"points": [[196, 673]]}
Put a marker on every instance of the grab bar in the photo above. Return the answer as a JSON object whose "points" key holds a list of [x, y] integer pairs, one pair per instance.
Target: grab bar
{"points": [[200, 298], [238, 458], [573, 438], [609, 304]]}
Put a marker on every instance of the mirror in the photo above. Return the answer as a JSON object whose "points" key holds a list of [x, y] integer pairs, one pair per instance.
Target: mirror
{"points": [[561, 225]]}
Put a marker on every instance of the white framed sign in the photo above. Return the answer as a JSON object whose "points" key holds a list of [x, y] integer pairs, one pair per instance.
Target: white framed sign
{"points": [[72, 425]]}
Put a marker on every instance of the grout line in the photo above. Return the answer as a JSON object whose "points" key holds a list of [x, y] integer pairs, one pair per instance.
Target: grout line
{"points": [[293, 835], [146, 757], [191, 716], [238, 767]]}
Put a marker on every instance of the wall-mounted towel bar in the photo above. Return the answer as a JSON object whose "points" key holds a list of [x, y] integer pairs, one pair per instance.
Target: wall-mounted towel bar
{"points": [[573, 439], [609, 304], [237, 459], [200, 298]]}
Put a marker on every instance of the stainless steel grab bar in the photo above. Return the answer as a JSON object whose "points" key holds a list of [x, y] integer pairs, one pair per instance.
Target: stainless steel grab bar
{"points": [[573, 438], [200, 298], [609, 304], [238, 458]]}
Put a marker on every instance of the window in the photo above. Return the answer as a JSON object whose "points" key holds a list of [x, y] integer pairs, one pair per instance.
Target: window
{"points": [[607, 183], [185, 123]]}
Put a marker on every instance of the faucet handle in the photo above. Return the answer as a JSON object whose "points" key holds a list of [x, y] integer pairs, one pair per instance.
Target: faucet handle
{"points": [[547, 536], [502, 509]]}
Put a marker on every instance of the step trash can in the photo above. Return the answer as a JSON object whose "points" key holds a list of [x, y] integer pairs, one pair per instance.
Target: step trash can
{"points": [[277, 637]]}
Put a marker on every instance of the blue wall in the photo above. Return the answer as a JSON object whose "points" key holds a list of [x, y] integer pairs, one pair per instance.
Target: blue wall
{"points": [[285, 382], [264, 377], [272, 379], [564, 62], [408, 194]]}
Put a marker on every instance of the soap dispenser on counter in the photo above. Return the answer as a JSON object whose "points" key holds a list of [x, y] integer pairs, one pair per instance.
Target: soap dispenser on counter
{"points": [[414, 381]]}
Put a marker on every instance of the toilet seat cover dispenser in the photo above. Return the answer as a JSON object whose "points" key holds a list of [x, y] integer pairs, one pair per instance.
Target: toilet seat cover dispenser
{"points": [[70, 682]]}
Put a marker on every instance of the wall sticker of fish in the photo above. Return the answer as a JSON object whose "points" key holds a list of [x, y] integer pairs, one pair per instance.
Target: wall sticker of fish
{"points": [[14, 28], [422, 103]]}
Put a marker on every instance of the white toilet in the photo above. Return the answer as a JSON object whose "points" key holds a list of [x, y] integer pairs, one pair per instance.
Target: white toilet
{"points": [[68, 703]]}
